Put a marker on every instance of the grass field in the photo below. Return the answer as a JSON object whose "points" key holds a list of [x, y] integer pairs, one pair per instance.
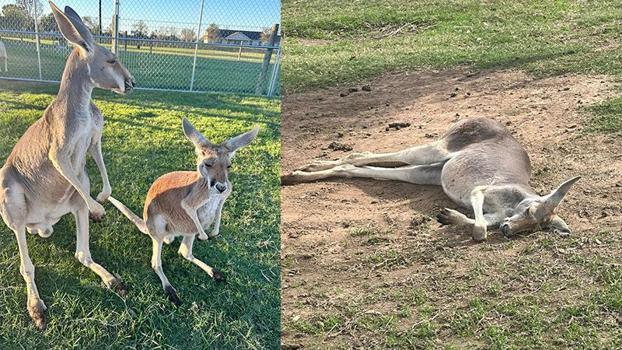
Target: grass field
{"points": [[142, 140], [231, 53], [163, 70], [331, 42]]}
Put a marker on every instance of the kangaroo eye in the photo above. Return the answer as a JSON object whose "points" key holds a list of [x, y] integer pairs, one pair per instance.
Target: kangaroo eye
{"points": [[207, 165], [229, 166], [113, 61]]}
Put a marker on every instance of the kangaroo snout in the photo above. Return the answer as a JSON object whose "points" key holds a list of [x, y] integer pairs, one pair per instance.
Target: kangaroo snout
{"points": [[130, 84], [220, 187], [505, 229]]}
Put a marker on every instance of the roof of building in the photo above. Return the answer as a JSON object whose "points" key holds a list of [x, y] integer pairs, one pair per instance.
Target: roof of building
{"points": [[238, 36]]}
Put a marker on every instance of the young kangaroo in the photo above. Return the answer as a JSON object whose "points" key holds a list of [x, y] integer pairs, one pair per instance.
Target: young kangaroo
{"points": [[479, 165], [44, 177], [186, 203]]}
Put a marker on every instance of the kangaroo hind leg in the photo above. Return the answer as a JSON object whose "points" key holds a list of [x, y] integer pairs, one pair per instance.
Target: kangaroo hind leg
{"points": [[431, 153], [13, 212], [416, 174]]}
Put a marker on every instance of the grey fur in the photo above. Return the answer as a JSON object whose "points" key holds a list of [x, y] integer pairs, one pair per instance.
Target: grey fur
{"points": [[44, 177], [479, 165]]}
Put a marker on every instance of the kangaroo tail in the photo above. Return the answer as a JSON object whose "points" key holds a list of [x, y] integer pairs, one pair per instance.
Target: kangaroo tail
{"points": [[140, 223]]}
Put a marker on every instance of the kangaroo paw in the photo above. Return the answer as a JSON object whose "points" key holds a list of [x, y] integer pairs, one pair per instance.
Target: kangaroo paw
{"points": [[218, 276], [37, 313], [171, 294]]}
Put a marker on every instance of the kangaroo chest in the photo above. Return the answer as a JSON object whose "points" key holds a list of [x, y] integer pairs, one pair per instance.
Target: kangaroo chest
{"points": [[209, 210]]}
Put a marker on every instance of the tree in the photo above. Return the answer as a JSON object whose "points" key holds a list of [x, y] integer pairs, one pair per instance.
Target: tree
{"points": [[91, 23], [167, 33], [47, 23], [140, 29], [29, 7], [265, 35], [15, 17], [212, 33], [188, 34]]}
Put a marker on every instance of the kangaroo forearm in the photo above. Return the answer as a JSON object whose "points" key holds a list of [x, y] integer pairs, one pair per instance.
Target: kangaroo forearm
{"points": [[96, 153], [192, 213], [62, 166], [216, 227]]}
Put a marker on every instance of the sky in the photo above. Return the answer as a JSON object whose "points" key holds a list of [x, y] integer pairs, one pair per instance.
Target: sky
{"points": [[227, 14]]}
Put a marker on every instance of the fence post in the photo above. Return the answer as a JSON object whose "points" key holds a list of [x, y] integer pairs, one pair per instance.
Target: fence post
{"points": [[196, 46], [37, 39], [275, 74], [100, 21], [115, 27], [266, 60]]}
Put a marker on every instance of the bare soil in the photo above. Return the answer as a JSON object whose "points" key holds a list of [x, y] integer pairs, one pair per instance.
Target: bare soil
{"points": [[356, 252]]}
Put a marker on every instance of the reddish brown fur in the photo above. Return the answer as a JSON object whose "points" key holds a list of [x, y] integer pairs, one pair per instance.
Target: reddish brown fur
{"points": [[165, 196]]}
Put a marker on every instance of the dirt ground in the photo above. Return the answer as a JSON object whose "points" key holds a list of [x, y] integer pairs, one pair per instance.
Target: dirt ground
{"points": [[366, 265]]}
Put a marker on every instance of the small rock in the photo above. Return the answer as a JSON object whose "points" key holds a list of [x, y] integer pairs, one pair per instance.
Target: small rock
{"points": [[397, 125], [366, 88], [353, 89], [453, 94], [336, 146], [343, 94]]}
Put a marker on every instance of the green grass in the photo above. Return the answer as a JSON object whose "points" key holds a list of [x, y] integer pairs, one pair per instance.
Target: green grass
{"points": [[231, 53], [151, 70], [606, 116], [332, 42], [142, 140]]}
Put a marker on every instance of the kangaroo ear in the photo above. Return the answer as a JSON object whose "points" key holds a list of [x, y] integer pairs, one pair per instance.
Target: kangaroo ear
{"points": [[559, 226], [193, 135], [552, 200], [73, 32], [234, 143], [77, 22]]}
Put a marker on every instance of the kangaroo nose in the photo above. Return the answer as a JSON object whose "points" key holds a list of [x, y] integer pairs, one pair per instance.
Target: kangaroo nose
{"points": [[505, 229], [221, 187]]}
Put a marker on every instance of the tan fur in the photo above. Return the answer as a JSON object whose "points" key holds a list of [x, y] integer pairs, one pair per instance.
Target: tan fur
{"points": [[44, 177], [186, 203], [479, 165]]}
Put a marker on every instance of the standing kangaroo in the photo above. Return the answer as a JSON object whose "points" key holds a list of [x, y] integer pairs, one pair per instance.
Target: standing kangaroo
{"points": [[45, 175], [187, 203], [479, 165], [4, 56]]}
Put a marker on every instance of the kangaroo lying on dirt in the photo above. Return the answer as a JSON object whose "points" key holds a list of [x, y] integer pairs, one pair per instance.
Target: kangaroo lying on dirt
{"points": [[186, 203], [45, 176], [480, 167]]}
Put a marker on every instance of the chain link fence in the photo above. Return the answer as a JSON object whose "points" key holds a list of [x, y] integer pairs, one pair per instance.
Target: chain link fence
{"points": [[183, 45]]}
